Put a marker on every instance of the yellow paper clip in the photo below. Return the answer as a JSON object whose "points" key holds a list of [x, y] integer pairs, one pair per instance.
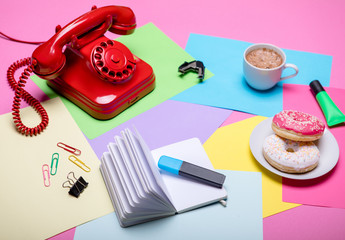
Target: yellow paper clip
{"points": [[79, 163], [69, 148], [46, 175]]}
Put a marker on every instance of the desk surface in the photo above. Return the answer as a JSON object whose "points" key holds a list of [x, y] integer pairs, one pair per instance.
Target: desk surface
{"points": [[312, 26]]}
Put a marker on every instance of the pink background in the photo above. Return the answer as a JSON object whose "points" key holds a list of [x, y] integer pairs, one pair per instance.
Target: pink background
{"points": [[329, 189], [306, 222], [312, 26]]}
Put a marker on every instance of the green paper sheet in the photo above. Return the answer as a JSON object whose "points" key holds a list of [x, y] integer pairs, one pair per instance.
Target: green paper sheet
{"points": [[158, 50]]}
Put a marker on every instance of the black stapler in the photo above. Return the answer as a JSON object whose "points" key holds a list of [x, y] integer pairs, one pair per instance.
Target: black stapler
{"points": [[196, 66]]}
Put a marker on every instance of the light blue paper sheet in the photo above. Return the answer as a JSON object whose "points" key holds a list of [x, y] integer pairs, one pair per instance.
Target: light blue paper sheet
{"points": [[228, 89], [241, 219]]}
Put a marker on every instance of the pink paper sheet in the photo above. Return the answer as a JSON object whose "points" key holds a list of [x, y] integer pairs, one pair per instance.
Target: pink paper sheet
{"points": [[329, 189], [66, 235], [306, 222], [236, 116]]}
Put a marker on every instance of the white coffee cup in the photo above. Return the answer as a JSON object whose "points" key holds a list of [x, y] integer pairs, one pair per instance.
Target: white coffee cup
{"points": [[261, 78]]}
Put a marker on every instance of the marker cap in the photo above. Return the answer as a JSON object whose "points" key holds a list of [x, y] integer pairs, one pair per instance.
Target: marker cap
{"points": [[169, 164], [316, 87]]}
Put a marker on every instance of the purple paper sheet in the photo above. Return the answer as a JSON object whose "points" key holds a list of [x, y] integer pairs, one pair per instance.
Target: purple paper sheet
{"points": [[167, 123]]}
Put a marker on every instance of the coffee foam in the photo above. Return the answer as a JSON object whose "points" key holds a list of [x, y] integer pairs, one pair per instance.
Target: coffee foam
{"points": [[264, 58]]}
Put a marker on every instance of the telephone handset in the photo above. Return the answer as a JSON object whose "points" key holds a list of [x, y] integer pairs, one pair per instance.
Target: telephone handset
{"points": [[96, 73]]}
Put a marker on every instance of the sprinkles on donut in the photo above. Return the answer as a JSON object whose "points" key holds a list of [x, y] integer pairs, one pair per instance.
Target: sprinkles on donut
{"points": [[297, 126], [290, 156]]}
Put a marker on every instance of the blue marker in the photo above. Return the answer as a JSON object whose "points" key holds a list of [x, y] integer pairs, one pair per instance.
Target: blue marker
{"points": [[192, 171]]}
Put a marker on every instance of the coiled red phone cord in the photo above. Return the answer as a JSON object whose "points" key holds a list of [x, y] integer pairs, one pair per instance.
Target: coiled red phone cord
{"points": [[20, 93]]}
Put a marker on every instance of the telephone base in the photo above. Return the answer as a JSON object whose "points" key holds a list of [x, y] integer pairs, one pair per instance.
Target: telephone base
{"points": [[101, 112], [84, 86]]}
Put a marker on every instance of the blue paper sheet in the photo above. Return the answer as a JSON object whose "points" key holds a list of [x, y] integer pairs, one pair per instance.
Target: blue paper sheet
{"points": [[228, 89], [241, 219]]}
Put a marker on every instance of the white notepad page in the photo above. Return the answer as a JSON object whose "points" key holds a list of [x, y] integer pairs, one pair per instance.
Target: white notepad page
{"points": [[186, 194]]}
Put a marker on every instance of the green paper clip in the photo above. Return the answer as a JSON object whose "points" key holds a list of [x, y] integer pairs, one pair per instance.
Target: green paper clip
{"points": [[55, 158]]}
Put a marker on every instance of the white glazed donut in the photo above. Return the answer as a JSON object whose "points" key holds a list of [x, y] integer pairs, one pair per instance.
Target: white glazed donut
{"points": [[290, 156]]}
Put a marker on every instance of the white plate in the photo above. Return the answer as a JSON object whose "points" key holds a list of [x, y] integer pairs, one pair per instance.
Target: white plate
{"points": [[328, 147]]}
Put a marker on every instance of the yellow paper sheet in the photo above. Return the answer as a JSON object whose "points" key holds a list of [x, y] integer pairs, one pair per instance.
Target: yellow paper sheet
{"points": [[28, 209], [228, 148]]}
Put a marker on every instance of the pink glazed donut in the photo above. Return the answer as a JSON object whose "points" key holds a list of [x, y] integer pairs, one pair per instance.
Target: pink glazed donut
{"points": [[297, 126]]}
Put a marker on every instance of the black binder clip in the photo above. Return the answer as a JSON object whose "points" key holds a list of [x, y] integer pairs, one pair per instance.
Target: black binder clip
{"points": [[196, 66], [75, 185]]}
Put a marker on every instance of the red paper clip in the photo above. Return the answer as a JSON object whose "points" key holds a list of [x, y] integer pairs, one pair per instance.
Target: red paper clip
{"points": [[69, 148]]}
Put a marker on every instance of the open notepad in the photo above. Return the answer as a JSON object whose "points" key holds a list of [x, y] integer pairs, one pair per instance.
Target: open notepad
{"points": [[140, 192]]}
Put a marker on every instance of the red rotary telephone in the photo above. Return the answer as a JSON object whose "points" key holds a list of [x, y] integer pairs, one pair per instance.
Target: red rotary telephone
{"points": [[96, 73]]}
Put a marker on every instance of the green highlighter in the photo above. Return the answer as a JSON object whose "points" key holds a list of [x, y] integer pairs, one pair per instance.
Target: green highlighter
{"points": [[332, 113]]}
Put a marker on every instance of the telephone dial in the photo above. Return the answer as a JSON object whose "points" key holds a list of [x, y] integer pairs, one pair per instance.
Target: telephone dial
{"points": [[98, 74]]}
